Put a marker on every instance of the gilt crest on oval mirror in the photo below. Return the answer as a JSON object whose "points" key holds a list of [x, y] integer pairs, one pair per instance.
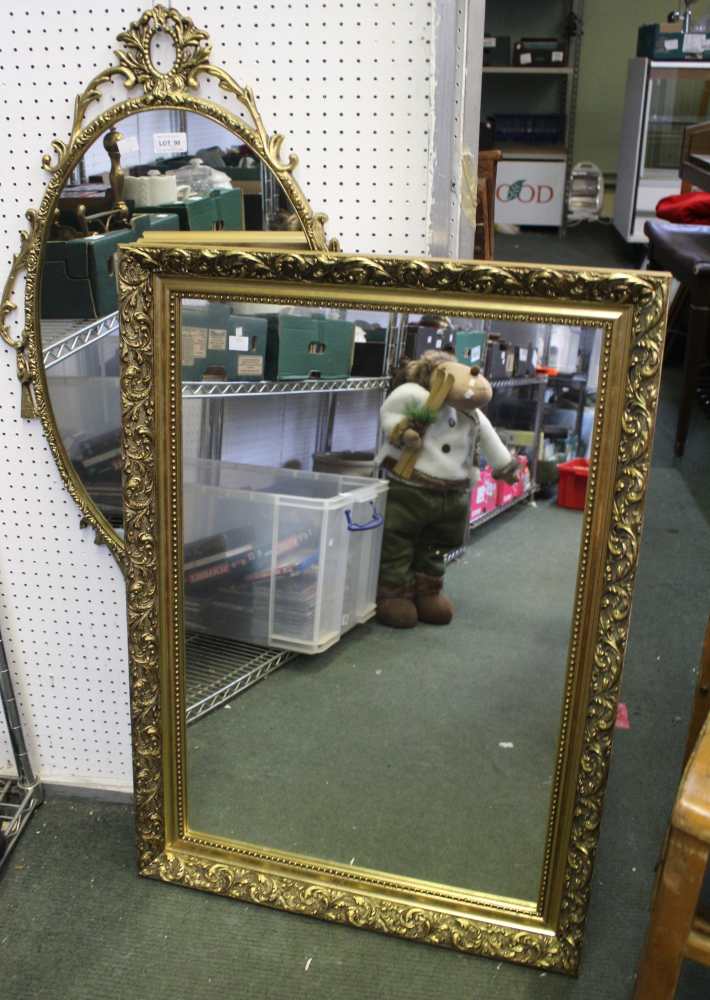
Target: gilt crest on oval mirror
{"points": [[167, 159]]}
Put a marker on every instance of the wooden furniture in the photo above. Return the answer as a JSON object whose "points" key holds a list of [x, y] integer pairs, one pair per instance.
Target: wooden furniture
{"points": [[677, 930], [701, 702], [485, 202], [684, 250], [695, 155]]}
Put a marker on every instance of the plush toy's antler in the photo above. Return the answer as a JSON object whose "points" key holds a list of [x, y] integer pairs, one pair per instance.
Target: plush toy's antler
{"points": [[441, 384]]}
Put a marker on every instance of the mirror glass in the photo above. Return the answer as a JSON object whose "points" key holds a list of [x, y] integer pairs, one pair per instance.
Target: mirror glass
{"points": [[156, 170], [312, 728]]}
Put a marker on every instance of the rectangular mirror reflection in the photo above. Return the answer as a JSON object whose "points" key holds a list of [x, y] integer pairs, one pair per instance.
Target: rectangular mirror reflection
{"points": [[382, 522], [425, 751]]}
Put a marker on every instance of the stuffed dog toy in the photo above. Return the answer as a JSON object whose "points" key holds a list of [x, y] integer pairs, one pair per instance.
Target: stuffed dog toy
{"points": [[428, 504]]}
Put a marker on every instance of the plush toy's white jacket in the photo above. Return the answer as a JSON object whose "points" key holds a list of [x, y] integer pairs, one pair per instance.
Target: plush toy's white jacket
{"points": [[449, 443]]}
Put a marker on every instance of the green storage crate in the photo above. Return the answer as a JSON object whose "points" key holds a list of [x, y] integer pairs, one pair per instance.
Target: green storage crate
{"points": [[667, 42], [239, 348], [471, 347], [78, 280], [309, 347], [204, 334], [230, 209], [66, 285], [198, 214], [243, 173], [154, 220]]}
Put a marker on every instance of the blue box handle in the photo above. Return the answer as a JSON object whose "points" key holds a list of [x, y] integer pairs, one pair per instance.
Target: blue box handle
{"points": [[376, 521]]}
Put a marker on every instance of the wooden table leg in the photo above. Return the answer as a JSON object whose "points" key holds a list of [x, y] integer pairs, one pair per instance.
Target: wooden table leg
{"points": [[672, 913], [701, 701]]}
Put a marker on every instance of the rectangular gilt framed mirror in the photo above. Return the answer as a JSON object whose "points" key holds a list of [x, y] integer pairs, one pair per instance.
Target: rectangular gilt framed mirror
{"points": [[441, 784]]}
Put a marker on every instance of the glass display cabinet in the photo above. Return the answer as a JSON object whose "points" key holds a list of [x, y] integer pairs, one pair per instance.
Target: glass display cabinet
{"points": [[662, 100]]}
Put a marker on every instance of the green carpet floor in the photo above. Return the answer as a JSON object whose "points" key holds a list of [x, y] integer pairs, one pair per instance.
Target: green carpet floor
{"points": [[428, 752], [76, 923]]}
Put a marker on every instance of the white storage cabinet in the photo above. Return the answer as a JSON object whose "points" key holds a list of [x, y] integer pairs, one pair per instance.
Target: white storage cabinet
{"points": [[661, 100]]}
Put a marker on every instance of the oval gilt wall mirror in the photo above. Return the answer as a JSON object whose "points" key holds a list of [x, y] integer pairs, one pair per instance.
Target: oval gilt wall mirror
{"points": [[167, 159]]}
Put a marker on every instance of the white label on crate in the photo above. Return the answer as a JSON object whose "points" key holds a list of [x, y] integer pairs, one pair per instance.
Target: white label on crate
{"points": [[558, 57], [475, 353], [481, 494], [169, 142], [696, 41], [489, 43], [238, 342], [250, 364], [670, 44], [129, 144], [198, 336], [217, 340], [523, 353], [188, 355], [438, 343], [525, 58]]}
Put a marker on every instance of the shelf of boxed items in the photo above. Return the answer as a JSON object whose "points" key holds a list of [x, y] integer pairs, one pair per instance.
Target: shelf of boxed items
{"points": [[516, 382], [482, 519], [76, 340], [532, 70], [219, 669], [526, 151], [80, 339], [223, 390]]}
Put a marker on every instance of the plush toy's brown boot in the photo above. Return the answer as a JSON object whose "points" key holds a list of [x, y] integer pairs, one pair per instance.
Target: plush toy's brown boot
{"points": [[396, 607], [433, 607]]}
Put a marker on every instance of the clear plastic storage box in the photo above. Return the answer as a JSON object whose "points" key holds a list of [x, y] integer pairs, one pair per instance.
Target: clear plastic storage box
{"points": [[279, 557]]}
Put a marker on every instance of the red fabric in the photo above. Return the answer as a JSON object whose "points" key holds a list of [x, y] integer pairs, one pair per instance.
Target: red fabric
{"points": [[685, 208]]}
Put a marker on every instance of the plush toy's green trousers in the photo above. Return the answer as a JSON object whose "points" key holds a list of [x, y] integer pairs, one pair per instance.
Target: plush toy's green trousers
{"points": [[421, 526]]}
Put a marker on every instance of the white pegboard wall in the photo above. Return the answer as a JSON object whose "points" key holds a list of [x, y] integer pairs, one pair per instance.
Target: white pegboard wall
{"points": [[350, 86]]}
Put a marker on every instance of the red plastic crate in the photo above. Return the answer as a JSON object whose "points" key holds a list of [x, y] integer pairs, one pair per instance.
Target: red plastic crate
{"points": [[572, 487]]}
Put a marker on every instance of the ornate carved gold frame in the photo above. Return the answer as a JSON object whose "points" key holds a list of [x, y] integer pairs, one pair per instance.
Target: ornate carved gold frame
{"points": [[170, 89], [631, 310]]}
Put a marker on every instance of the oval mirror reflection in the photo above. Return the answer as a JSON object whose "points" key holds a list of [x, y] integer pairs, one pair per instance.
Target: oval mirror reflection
{"points": [[156, 170]]}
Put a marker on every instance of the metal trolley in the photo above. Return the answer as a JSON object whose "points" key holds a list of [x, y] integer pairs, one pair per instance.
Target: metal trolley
{"points": [[20, 796]]}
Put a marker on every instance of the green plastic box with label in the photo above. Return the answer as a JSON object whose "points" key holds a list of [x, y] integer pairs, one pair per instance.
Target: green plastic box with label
{"points": [[471, 347], [309, 347], [78, 279], [219, 210]]}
